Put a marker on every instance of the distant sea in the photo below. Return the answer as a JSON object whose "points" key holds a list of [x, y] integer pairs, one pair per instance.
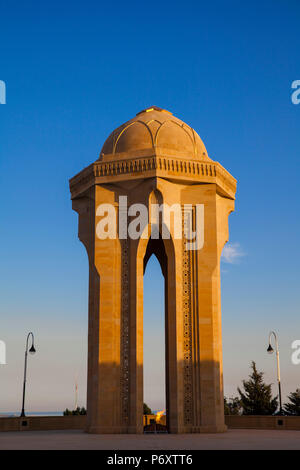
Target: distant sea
{"points": [[30, 413], [12, 414]]}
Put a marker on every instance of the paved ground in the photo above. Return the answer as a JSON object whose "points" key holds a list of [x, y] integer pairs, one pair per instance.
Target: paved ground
{"points": [[233, 439]]}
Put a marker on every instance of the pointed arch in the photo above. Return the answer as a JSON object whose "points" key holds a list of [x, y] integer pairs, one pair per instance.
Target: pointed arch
{"points": [[164, 250]]}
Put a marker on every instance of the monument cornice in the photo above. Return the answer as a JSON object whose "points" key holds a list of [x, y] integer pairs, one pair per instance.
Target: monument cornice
{"points": [[181, 170]]}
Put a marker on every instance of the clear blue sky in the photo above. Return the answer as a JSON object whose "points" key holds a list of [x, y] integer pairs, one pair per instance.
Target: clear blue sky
{"points": [[76, 70]]}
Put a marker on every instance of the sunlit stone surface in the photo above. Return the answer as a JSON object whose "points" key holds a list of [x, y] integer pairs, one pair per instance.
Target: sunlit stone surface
{"points": [[154, 158]]}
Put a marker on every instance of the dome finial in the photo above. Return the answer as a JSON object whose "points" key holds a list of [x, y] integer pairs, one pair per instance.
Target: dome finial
{"points": [[153, 108]]}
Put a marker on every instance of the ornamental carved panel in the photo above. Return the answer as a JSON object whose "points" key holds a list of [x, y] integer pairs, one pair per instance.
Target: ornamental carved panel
{"points": [[124, 360], [187, 325]]}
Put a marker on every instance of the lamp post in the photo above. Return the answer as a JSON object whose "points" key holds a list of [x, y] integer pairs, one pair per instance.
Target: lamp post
{"points": [[270, 350], [32, 351]]}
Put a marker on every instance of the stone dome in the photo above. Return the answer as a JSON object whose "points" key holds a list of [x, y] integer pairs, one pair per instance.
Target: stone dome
{"points": [[154, 131]]}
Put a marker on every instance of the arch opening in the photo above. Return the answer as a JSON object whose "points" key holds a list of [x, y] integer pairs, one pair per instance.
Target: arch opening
{"points": [[155, 377]]}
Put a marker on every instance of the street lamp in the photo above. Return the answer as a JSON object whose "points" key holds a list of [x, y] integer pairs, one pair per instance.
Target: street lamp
{"points": [[31, 351], [270, 350]]}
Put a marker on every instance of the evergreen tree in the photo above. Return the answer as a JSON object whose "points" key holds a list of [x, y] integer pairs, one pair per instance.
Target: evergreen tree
{"points": [[293, 408], [147, 410], [232, 406], [256, 399], [78, 411]]}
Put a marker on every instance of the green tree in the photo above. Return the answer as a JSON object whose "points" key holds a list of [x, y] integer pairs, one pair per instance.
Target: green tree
{"points": [[147, 410], [78, 411], [256, 399], [232, 406], [293, 408]]}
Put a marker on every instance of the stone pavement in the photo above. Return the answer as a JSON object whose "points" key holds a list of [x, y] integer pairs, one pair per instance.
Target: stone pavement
{"points": [[71, 440]]}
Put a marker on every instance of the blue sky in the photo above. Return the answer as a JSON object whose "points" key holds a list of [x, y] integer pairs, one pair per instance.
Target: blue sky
{"points": [[75, 71]]}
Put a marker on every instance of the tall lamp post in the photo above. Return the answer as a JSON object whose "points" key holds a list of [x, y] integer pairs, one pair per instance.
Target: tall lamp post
{"points": [[31, 351], [270, 350]]}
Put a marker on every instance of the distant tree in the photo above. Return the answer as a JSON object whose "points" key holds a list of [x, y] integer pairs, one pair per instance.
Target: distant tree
{"points": [[147, 410], [232, 406], [256, 399], [293, 408], [78, 411]]}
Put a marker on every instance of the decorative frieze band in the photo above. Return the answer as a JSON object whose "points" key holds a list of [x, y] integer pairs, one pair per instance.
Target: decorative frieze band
{"points": [[162, 166]]}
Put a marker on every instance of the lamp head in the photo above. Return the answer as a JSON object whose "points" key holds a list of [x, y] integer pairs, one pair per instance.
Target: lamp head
{"points": [[270, 350], [32, 350]]}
